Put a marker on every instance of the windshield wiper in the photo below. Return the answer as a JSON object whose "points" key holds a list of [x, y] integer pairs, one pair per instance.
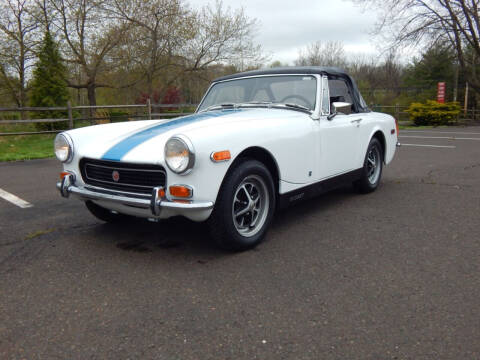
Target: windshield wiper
{"points": [[220, 106], [294, 107], [263, 103], [270, 103]]}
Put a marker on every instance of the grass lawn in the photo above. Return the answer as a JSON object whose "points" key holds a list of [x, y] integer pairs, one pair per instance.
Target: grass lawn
{"points": [[26, 147]]}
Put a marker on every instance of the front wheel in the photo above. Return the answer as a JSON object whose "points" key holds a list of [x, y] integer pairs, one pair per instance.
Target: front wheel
{"points": [[372, 168], [244, 207]]}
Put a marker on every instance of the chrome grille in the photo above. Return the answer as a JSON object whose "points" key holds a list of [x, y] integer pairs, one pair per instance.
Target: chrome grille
{"points": [[135, 178]]}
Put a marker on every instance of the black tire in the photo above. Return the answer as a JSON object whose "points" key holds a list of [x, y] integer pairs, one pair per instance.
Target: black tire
{"points": [[105, 214], [370, 178], [245, 186]]}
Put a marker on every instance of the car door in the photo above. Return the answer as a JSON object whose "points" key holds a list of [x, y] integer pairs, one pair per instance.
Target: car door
{"points": [[339, 135]]}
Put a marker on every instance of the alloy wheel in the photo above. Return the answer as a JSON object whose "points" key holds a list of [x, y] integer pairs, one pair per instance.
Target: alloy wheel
{"points": [[250, 205], [373, 165]]}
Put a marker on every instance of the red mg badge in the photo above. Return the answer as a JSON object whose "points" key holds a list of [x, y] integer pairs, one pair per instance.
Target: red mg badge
{"points": [[115, 175]]}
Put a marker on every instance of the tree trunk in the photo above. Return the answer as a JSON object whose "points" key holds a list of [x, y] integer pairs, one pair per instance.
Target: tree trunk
{"points": [[150, 86], [22, 92], [92, 99]]}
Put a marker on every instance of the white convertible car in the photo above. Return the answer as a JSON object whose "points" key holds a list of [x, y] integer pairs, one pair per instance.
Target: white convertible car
{"points": [[258, 140]]}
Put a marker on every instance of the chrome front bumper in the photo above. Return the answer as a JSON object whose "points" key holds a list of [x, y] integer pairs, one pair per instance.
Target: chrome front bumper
{"points": [[154, 202]]}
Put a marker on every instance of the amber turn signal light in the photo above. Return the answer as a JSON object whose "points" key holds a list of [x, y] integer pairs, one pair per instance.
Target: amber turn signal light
{"points": [[180, 191], [161, 193], [63, 174], [220, 156]]}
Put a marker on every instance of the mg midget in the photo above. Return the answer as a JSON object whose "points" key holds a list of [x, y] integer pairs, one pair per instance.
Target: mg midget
{"points": [[258, 140]]}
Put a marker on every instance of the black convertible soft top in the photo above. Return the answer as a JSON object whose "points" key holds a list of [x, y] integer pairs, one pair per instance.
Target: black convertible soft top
{"points": [[331, 72], [320, 70]]}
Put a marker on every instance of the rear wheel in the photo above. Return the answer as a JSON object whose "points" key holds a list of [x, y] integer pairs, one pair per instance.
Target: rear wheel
{"points": [[244, 207], [372, 168], [104, 214]]}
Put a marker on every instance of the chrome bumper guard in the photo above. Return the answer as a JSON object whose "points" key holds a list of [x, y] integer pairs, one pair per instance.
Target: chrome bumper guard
{"points": [[155, 203]]}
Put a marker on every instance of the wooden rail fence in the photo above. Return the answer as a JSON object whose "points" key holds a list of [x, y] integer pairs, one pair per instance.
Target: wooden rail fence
{"points": [[154, 111], [143, 111]]}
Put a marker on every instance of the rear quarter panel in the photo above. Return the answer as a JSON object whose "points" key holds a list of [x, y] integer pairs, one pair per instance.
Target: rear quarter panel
{"points": [[371, 124]]}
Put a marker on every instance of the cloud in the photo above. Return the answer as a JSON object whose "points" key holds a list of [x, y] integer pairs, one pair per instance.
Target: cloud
{"points": [[286, 25]]}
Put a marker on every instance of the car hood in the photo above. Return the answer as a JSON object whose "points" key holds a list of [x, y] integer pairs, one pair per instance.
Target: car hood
{"points": [[136, 141]]}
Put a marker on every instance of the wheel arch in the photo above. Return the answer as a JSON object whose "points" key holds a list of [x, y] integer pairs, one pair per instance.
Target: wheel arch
{"points": [[265, 157], [381, 137]]}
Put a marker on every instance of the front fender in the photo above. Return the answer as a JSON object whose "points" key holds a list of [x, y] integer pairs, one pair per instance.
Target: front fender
{"points": [[288, 142]]}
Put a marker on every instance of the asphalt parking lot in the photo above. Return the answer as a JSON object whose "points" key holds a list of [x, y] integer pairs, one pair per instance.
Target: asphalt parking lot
{"points": [[390, 275]]}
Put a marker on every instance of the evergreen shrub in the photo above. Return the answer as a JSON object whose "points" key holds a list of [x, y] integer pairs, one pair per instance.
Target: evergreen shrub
{"points": [[434, 113]]}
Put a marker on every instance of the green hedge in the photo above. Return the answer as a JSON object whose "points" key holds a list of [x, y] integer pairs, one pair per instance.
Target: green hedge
{"points": [[434, 113]]}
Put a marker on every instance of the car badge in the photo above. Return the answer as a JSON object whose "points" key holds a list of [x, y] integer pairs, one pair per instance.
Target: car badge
{"points": [[115, 175]]}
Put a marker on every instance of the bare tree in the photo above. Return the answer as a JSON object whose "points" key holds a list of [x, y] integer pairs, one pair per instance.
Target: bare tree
{"points": [[88, 35], [17, 39], [41, 12], [420, 22], [158, 29], [221, 36], [329, 54]]}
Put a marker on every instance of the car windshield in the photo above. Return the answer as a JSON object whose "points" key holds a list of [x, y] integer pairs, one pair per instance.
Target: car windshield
{"points": [[293, 91]]}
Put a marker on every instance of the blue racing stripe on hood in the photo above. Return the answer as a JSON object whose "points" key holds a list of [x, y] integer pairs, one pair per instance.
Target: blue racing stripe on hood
{"points": [[119, 150]]}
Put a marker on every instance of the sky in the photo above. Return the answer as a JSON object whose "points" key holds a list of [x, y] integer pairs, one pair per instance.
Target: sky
{"points": [[286, 26]]}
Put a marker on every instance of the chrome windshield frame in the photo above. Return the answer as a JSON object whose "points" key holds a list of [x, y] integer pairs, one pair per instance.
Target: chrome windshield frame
{"points": [[315, 113]]}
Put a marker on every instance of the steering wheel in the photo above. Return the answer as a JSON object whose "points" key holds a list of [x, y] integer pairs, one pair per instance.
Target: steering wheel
{"points": [[300, 97]]}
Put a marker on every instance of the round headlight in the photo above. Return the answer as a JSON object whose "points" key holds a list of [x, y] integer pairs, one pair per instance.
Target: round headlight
{"points": [[179, 154], [63, 148]]}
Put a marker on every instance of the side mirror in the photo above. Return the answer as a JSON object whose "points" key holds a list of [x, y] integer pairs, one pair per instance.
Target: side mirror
{"points": [[340, 108]]}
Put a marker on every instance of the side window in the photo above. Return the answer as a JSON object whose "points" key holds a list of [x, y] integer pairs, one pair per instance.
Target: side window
{"points": [[325, 97], [339, 91]]}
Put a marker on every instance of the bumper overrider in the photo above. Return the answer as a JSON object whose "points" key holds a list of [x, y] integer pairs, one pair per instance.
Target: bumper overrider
{"points": [[156, 202]]}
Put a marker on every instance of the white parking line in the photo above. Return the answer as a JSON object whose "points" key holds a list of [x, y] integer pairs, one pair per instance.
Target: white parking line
{"points": [[14, 199], [440, 132], [437, 137], [434, 146]]}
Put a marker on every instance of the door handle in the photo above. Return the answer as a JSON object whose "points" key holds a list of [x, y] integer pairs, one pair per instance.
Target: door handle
{"points": [[356, 121]]}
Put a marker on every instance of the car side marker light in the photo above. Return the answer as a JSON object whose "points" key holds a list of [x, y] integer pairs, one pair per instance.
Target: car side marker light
{"points": [[219, 156]]}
